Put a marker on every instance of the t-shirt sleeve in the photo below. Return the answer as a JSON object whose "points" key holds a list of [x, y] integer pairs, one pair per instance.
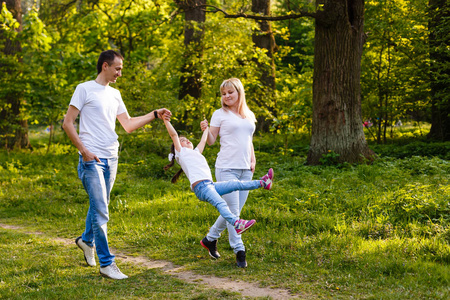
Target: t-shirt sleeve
{"points": [[216, 119], [79, 97], [122, 108]]}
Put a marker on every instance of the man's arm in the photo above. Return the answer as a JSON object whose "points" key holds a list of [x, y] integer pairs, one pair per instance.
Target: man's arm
{"points": [[130, 124], [68, 127]]}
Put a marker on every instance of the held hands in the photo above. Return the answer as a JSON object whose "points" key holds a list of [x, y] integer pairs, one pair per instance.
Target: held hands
{"points": [[166, 116], [162, 112], [204, 125]]}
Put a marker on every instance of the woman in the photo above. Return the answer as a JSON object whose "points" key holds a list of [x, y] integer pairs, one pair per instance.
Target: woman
{"points": [[234, 123]]}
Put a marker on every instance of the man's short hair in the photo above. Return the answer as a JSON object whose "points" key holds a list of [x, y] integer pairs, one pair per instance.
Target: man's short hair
{"points": [[107, 56]]}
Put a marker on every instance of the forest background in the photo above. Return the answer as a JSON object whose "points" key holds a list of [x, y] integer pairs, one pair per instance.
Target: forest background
{"points": [[334, 230], [178, 52]]}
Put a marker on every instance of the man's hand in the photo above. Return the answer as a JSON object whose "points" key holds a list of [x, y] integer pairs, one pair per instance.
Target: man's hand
{"points": [[89, 156]]}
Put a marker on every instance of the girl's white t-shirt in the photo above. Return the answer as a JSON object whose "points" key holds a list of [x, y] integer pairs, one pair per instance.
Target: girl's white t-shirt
{"points": [[99, 106], [194, 164], [236, 138]]}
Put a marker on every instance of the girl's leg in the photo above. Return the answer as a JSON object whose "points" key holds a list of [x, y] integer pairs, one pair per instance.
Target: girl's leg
{"points": [[226, 187], [205, 191]]}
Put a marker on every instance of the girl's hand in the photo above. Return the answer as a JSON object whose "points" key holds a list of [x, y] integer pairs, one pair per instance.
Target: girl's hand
{"points": [[166, 117], [204, 125]]}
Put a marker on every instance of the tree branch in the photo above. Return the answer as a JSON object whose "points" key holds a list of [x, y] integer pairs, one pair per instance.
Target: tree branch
{"points": [[260, 18]]}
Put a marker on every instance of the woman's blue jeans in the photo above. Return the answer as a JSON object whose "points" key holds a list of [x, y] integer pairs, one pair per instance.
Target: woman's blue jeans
{"points": [[212, 191], [98, 179]]}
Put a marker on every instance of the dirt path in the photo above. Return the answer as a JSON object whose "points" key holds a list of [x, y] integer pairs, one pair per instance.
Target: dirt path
{"points": [[244, 288]]}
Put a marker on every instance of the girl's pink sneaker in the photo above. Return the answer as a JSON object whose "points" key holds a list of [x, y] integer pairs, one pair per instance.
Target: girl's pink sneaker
{"points": [[267, 179], [242, 225]]}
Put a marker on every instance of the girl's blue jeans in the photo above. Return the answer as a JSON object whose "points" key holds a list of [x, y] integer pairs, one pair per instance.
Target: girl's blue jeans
{"points": [[235, 201], [212, 191], [98, 179]]}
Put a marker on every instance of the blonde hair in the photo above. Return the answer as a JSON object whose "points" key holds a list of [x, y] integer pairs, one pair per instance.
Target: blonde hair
{"points": [[243, 109]]}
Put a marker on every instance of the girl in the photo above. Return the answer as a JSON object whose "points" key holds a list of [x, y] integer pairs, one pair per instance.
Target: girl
{"points": [[194, 164]]}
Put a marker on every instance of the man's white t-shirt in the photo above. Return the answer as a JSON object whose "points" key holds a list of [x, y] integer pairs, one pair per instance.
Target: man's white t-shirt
{"points": [[236, 138], [99, 106], [194, 164]]}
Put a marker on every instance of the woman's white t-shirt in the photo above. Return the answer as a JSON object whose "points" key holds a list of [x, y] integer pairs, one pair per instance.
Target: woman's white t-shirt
{"points": [[236, 138], [99, 106], [194, 164]]}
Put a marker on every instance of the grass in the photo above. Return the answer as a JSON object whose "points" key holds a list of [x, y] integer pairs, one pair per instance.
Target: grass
{"points": [[35, 267], [377, 231]]}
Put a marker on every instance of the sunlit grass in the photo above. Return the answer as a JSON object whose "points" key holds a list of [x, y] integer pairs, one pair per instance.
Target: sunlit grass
{"points": [[361, 231]]}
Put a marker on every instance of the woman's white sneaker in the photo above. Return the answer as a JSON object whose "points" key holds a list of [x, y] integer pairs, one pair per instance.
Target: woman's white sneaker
{"points": [[112, 271]]}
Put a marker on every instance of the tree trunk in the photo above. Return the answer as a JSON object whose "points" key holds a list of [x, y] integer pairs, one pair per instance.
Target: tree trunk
{"points": [[439, 40], [13, 126], [263, 38], [195, 16], [337, 124]]}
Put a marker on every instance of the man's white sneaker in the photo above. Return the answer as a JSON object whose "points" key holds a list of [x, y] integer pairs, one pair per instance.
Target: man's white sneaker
{"points": [[112, 271], [89, 252]]}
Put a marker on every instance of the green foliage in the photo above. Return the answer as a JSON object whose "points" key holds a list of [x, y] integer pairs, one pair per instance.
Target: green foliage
{"points": [[416, 148], [330, 158], [394, 79]]}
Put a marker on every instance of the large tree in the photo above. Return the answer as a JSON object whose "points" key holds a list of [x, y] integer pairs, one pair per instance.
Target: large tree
{"points": [[439, 42], [263, 38], [194, 14], [339, 38], [13, 124]]}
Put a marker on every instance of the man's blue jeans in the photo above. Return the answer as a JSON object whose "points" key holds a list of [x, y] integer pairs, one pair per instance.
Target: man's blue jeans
{"points": [[212, 191], [98, 180]]}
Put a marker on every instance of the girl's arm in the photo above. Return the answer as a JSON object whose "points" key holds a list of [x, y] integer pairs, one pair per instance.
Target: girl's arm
{"points": [[173, 133], [202, 143]]}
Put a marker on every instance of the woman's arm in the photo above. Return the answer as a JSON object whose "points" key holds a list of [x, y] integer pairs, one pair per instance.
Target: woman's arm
{"points": [[253, 160], [213, 132], [172, 132], [212, 135]]}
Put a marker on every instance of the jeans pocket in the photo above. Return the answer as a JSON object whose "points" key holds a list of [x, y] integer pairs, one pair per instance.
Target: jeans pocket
{"points": [[89, 162]]}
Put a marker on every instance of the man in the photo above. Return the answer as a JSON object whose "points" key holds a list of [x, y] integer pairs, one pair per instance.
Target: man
{"points": [[99, 105]]}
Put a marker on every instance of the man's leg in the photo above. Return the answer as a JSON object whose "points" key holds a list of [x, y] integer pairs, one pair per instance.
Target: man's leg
{"points": [[93, 178]]}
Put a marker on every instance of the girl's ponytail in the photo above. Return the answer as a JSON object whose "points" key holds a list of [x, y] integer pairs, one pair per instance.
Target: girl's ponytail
{"points": [[172, 162]]}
